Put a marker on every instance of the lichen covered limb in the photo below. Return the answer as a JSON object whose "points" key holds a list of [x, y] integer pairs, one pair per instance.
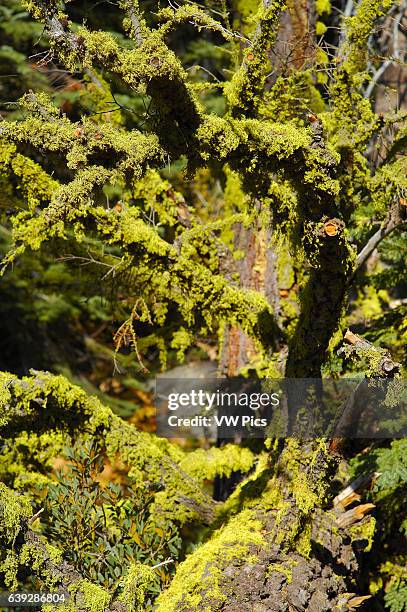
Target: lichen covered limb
{"points": [[322, 300], [322, 304], [245, 90], [359, 30], [257, 149], [352, 122], [195, 289], [22, 179], [84, 143], [153, 67], [311, 165], [98, 155], [156, 266], [53, 406], [191, 14], [271, 551], [352, 117], [325, 243]]}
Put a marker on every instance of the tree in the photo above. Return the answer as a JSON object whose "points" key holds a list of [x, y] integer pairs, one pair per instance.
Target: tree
{"points": [[156, 178]]}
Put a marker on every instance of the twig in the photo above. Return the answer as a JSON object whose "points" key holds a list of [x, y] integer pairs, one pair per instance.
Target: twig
{"points": [[35, 516], [346, 14], [166, 562], [93, 78], [131, 8], [350, 517], [379, 72], [349, 8]]}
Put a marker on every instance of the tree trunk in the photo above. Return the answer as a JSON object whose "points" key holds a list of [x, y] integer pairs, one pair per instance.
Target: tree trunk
{"points": [[275, 545], [280, 549]]}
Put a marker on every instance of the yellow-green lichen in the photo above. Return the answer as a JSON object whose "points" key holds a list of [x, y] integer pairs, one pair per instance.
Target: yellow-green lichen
{"points": [[14, 509], [198, 582], [137, 580], [364, 532]]}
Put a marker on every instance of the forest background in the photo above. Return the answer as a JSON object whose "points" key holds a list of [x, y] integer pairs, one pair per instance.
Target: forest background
{"points": [[220, 185]]}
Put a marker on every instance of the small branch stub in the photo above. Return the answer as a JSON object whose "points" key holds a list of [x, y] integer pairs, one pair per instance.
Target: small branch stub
{"points": [[350, 517], [386, 366], [356, 602], [352, 492], [35, 516], [332, 227], [356, 340]]}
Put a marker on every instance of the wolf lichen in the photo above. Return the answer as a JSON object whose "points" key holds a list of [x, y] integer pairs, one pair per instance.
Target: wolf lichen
{"points": [[200, 578], [245, 89], [94, 597], [148, 458], [135, 583], [14, 509]]}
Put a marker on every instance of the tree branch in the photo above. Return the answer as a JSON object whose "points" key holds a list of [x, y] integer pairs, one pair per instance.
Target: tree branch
{"points": [[248, 82], [57, 31], [392, 221], [385, 366], [132, 9]]}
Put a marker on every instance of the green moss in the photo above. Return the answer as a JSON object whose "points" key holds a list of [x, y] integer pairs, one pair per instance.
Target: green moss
{"points": [[41, 449], [359, 29], [246, 11], [40, 11], [245, 90], [308, 494], [353, 115], [291, 97], [222, 461], [320, 28], [95, 597], [249, 490], [303, 541], [323, 7], [9, 568], [32, 557], [85, 596], [15, 511], [33, 185]]}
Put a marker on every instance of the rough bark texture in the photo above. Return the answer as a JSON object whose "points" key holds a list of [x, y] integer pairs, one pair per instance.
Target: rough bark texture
{"points": [[301, 560]]}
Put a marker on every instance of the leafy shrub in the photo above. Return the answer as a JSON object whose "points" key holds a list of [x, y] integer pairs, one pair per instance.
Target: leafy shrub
{"points": [[104, 527]]}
